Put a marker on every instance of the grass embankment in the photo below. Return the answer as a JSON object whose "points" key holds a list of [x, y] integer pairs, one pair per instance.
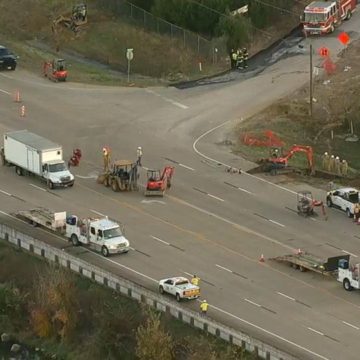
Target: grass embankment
{"points": [[105, 39], [336, 106], [74, 318]]}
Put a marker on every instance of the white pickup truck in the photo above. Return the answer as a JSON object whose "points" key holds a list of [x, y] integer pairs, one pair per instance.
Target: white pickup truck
{"points": [[179, 287], [344, 199]]}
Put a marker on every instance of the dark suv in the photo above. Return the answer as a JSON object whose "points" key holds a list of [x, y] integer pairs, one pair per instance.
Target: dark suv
{"points": [[7, 59]]}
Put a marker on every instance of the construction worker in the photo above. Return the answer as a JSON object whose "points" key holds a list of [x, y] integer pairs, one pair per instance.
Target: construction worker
{"points": [[332, 163], [233, 58], [195, 280], [106, 157], [204, 307], [356, 212], [245, 57], [337, 166], [275, 153], [240, 59], [139, 154], [325, 161], [344, 168]]}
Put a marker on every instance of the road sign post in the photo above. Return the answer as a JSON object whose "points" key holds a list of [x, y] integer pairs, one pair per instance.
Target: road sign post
{"points": [[129, 56]]}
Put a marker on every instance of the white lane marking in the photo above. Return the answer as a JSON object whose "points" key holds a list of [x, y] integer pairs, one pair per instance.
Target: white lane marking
{"points": [[268, 332], [316, 331], [286, 296], [125, 267], [157, 239], [153, 202], [252, 302], [351, 325], [6, 76], [175, 103], [236, 225], [5, 193], [5, 92], [226, 165], [97, 213], [215, 197], [87, 177], [312, 219], [187, 167], [131, 248], [224, 268], [348, 252], [186, 273], [145, 168], [37, 187], [244, 190], [276, 223]]}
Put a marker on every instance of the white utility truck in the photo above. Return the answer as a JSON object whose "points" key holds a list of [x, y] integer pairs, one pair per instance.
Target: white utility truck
{"points": [[33, 154], [344, 199], [180, 287], [102, 235], [349, 275]]}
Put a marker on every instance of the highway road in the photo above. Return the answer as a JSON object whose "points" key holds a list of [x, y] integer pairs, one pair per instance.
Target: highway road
{"points": [[210, 223]]}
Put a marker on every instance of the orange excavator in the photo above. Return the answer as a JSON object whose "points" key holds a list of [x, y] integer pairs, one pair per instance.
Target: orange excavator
{"points": [[277, 161], [157, 184]]}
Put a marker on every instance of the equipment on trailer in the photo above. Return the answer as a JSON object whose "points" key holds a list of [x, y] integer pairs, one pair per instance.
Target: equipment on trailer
{"points": [[278, 161], [75, 158], [157, 184], [123, 176], [306, 203], [55, 70], [305, 261]]}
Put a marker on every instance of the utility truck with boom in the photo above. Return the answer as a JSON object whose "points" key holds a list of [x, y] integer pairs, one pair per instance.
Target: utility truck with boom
{"points": [[102, 235], [33, 154]]}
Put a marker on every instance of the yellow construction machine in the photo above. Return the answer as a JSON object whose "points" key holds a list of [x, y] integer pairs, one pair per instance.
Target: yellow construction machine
{"points": [[73, 21]]}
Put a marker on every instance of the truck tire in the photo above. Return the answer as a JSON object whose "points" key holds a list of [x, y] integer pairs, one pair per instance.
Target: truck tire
{"points": [[105, 251], [114, 185], [348, 213], [50, 185], [19, 171], [161, 289], [74, 239], [178, 298], [346, 284]]}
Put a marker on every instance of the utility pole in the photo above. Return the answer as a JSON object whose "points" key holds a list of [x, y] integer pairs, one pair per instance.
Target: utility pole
{"points": [[311, 80]]}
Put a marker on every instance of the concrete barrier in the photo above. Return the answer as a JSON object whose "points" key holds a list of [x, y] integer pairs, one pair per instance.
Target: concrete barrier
{"points": [[141, 294]]}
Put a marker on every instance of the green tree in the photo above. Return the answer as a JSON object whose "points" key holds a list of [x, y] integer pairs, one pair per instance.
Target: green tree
{"points": [[153, 342]]}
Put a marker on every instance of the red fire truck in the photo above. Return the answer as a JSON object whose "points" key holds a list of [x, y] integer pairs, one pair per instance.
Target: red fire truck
{"points": [[322, 17]]}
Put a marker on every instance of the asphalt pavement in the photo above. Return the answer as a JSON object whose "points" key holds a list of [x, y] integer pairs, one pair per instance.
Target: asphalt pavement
{"points": [[211, 223]]}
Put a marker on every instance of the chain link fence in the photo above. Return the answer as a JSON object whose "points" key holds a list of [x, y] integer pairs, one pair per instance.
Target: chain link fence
{"points": [[210, 51]]}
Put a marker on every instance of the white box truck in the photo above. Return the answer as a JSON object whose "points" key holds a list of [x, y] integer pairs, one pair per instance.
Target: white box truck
{"points": [[33, 154]]}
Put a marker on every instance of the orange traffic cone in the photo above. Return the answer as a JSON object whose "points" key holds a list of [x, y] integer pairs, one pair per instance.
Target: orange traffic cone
{"points": [[262, 258], [17, 96], [22, 111]]}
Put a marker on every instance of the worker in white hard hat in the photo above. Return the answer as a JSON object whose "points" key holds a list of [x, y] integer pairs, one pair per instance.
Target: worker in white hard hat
{"points": [[332, 163], [106, 156], [337, 165], [344, 168], [325, 161], [139, 154], [204, 307]]}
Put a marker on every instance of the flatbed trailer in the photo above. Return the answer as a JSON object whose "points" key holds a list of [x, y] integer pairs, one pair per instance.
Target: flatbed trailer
{"points": [[54, 221], [305, 261]]}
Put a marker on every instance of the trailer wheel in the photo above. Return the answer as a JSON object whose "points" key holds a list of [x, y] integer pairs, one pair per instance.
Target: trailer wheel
{"points": [[74, 239], [19, 171], [347, 285], [302, 269], [178, 298], [161, 289], [105, 251]]}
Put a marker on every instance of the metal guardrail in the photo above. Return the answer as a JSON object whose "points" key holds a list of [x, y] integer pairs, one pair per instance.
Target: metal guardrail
{"points": [[141, 294]]}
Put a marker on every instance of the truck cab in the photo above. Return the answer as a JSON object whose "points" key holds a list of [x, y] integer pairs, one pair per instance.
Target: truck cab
{"points": [[102, 235], [56, 174]]}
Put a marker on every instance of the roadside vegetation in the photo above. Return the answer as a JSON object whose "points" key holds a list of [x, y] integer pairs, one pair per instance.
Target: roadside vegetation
{"points": [[98, 54], [334, 126], [73, 318]]}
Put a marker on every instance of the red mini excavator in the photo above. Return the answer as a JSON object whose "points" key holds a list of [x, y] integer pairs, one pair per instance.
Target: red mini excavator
{"points": [[279, 162], [55, 70], [157, 184]]}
